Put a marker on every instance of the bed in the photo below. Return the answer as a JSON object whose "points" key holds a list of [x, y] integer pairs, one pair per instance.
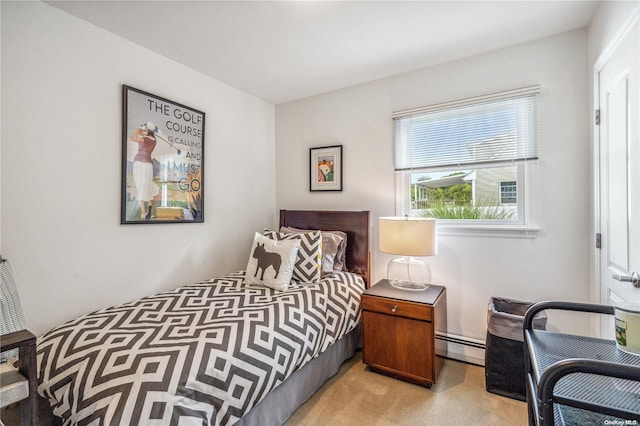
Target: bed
{"points": [[217, 352]]}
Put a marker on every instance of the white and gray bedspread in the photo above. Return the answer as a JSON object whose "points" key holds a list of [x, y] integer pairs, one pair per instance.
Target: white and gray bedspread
{"points": [[200, 354]]}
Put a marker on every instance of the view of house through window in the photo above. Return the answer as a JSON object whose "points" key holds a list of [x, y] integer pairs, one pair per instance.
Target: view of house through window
{"points": [[482, 194], [467, 160]]}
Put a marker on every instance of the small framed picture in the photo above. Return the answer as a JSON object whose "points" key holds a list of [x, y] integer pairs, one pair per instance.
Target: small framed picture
{"points": [[325, 168]]}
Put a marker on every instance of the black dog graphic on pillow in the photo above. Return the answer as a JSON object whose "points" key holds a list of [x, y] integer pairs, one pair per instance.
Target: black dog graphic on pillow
{"points": [[266, 259]]}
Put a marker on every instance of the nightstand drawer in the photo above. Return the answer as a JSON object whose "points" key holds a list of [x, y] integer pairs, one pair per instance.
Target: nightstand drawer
{"points": [[400, 308]]}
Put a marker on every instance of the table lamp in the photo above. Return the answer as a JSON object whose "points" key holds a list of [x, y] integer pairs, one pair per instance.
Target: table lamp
{"points": [[408, 237]]}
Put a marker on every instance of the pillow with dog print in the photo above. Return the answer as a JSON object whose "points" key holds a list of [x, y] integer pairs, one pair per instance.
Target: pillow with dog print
{"points": [[271, 262]]}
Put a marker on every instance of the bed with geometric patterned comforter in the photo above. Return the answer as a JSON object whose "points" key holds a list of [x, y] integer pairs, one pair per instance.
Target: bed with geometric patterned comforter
{"points": [[200, 354]]}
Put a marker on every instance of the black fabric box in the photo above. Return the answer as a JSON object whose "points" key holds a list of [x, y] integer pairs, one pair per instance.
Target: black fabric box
{"points": [[504, 353]]}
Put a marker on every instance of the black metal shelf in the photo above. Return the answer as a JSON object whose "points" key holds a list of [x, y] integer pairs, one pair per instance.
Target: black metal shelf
{"points": [[577, 379]]}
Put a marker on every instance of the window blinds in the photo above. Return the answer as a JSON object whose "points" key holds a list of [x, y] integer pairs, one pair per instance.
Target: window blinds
{"points": [[489, 129]]}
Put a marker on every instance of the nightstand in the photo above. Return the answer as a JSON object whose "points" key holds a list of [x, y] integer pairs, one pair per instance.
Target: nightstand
{"points": [[399, 329]]}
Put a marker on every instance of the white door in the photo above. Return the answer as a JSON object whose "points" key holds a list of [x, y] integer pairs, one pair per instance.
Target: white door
{"points": [[619, 176]]}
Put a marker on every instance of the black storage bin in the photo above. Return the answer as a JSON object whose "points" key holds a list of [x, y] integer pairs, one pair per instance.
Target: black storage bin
{"points": [[504, 353]]}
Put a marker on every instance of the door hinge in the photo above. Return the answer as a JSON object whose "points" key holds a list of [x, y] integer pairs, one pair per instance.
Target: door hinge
{"points": [[597, 117], [598, 240]]}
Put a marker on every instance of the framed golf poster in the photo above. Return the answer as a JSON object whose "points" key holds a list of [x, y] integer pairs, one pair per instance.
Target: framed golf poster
{"points": [[162, 160]]}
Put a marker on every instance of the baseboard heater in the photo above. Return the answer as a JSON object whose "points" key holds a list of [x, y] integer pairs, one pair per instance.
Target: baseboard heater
{"points": [[461, 340]]}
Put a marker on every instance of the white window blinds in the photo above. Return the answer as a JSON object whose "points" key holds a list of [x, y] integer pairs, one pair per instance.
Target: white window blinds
{"points": [[489, 129]]}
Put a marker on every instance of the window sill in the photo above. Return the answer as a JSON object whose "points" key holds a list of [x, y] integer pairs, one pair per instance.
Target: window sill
{"points": [[494, 231]]}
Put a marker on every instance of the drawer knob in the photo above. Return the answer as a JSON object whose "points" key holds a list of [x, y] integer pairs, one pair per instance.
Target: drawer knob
{"points": [[394, 309]]}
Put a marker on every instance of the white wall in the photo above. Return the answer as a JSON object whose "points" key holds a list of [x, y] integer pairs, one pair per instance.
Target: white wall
{"points": [[0, 126], [61, 145], [556, 264], [606, 25]]}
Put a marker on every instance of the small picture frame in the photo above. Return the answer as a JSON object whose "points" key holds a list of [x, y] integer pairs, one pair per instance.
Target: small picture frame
{"points": [[325, 168]]}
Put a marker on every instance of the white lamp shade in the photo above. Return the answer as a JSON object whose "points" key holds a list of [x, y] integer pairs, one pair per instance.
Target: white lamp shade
{"points": [[408, 236]]}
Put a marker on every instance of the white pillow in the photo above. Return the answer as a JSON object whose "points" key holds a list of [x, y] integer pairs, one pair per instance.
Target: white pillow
{"points": [[271, 262]]}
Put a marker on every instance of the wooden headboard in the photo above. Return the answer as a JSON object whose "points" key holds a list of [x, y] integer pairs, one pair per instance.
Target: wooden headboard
{"points": [[354, 223]]}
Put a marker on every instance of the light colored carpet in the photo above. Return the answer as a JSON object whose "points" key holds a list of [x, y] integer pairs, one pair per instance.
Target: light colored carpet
{"points": [[358, 396]]}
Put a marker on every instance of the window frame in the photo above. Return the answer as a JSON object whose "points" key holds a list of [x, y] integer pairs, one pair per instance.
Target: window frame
{"points": [[526, 182]]}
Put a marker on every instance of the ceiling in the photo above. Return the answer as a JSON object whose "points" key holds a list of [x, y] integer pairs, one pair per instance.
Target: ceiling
{"points": [[285, 50]]}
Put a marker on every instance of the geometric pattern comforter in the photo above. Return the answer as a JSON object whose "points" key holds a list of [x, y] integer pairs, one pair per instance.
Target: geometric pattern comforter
{"points": [[201, 354]]}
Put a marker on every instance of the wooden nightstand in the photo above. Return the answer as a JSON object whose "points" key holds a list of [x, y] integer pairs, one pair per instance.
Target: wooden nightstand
{"points": [[399, 329]]}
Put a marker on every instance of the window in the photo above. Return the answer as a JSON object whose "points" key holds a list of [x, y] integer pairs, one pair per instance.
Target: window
{"points": [[468, 162], [508, 192]]}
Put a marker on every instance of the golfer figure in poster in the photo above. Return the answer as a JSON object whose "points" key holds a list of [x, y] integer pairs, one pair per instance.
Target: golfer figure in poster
{"points": [[146, 188]]}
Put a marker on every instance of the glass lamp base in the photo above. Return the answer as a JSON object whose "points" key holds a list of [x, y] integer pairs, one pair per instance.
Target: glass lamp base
{"points": [[403, 285], [407, 273]]}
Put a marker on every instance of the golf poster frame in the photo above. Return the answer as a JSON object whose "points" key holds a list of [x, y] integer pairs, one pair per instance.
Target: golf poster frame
{"points": [[162, 160]]}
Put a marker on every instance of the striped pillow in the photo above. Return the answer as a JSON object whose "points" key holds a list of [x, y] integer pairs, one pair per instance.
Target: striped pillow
{"points": [[308, 266]]}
